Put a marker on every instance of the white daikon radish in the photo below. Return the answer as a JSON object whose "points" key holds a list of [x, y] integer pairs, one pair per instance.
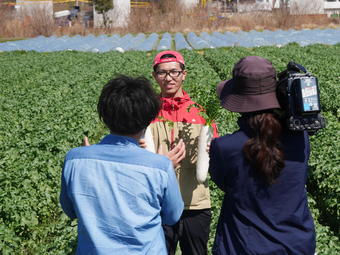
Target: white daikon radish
{"points": [[202, 166], [150, 145]]}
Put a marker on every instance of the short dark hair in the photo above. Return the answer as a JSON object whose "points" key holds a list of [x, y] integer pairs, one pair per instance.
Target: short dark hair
{"points": [[127, 105], [168, 56]]}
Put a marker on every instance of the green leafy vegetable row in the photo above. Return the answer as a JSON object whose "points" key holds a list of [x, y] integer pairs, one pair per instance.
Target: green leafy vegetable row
{"points": [[48, 102]]}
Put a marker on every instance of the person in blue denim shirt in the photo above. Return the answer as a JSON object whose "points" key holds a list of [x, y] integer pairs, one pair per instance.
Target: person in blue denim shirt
{"points": [[262, 168], [120, 193]]}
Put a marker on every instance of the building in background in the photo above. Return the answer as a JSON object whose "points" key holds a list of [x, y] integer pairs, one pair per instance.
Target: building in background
{"points": [[293, 6], [34, 7], [332, 7], [68, 12]]}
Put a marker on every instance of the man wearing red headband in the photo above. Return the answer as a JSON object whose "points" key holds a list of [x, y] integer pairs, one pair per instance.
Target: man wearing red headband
{"points": [[175, 132]]}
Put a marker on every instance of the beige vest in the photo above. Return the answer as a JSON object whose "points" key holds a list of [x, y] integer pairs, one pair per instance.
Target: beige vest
{"points": [[195, 196]]}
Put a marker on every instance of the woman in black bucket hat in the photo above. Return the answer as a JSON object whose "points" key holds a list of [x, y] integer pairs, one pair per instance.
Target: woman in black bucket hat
{"points": [[262, 168]]}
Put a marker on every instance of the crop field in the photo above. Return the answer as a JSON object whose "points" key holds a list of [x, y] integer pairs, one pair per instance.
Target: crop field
{"points": [[48, 103]]}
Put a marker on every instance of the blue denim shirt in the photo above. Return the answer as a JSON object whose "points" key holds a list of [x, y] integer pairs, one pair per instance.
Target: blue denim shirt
{"points": [[121, 195], [256, 218]]}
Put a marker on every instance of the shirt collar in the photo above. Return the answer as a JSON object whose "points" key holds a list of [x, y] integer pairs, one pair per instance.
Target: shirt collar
{"points": [[175, 101], [118, 140]]}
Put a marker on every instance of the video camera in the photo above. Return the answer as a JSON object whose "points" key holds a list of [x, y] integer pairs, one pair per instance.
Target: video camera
{"points": [[299, 96]]}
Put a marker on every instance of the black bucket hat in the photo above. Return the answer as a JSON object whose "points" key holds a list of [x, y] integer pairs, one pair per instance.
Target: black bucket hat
{"points": [[252, 88]]}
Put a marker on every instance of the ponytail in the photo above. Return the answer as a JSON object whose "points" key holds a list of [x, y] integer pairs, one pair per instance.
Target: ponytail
{"points": [[263, 150]]}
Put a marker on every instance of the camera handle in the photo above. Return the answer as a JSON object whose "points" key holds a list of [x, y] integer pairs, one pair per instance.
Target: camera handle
{"points": [[292, 66]]}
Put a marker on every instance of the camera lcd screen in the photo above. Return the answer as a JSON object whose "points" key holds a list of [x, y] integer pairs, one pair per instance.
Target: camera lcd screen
{"points": [[309, 93]]}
